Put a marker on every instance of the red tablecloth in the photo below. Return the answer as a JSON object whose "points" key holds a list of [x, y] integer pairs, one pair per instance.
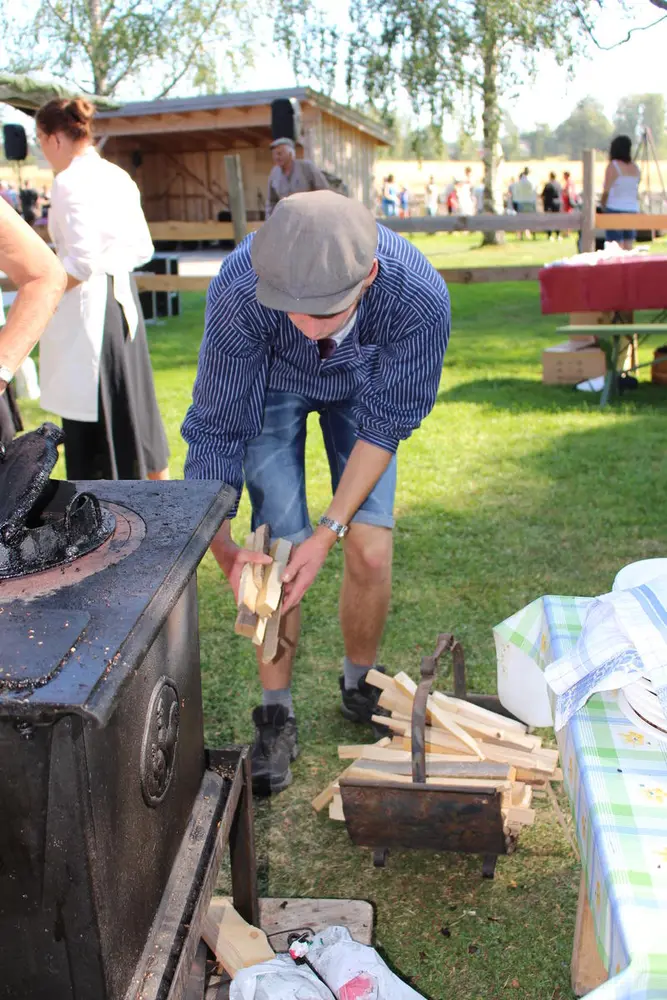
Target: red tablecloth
{"points": [[635, 283]]}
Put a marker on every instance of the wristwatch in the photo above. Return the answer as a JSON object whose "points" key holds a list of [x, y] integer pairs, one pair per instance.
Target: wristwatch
{"points": [[340, 530], [6, 374]]}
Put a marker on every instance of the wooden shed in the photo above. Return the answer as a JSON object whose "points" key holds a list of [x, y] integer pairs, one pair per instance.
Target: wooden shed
{"points": [[175, 149]]}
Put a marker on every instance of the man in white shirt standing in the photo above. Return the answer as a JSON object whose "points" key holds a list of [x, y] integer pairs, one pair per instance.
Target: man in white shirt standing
{"points": [[289, 175]]}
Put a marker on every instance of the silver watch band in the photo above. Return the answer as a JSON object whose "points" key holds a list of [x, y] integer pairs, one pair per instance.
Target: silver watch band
{"points": [[338, 529], [6, 374]]}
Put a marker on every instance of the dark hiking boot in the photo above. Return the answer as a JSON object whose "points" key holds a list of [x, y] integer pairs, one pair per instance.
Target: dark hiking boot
{"points": [[361, 703], [275, 746]]}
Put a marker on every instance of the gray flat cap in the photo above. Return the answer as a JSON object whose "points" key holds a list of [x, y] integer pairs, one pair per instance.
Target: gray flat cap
{"points": [[284, 142], [313, 253]]}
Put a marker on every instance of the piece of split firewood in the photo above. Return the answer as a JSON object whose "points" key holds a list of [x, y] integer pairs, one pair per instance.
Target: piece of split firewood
{"points": [[336, 808], [260, 629], [248, 589], [260, 544], [246, 623], [272, 587], [272, 635]]}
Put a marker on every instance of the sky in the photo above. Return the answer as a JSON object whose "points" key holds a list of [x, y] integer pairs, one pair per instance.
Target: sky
{"points": [[638, 66]]}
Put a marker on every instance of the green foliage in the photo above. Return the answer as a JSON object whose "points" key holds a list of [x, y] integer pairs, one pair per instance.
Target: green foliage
{"points": [[586, 128], [102, 45], [541, 141], [635, 112]]}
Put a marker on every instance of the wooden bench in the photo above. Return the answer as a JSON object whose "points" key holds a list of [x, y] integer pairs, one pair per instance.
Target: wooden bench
{"points": [[610, 336]]}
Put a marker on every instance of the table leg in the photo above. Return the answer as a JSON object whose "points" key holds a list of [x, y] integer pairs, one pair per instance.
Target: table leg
{"points": [[611, 378], [587, 967]]}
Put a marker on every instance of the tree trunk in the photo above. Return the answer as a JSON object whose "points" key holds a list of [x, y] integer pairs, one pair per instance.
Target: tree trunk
{"points": [[97, 60], [490, 127]]}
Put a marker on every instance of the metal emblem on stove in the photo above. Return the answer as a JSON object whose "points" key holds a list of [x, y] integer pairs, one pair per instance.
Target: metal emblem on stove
{"points": [[158, 747]]}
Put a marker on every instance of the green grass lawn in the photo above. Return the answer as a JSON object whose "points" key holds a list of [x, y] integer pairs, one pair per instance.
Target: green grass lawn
{"points": [[510, 490]]}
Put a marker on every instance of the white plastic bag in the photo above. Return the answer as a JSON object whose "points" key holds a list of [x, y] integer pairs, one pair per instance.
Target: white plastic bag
{"points": [[355, 971], [278, 979]]}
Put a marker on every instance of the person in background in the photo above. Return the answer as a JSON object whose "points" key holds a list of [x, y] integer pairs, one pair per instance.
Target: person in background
{"points": [[8, 194], [525, 198], [511, 195], [621, 188], [551, 199], [404, 203], [452, 197], [28, 198], [289, 175], [569, 193], [478, 197], [464, 195], [40, 280], [95, 370], [431, 197], [390, 199]]}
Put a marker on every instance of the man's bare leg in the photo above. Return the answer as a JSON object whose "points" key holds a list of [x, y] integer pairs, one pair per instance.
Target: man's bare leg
{"points": [[366, 591]]}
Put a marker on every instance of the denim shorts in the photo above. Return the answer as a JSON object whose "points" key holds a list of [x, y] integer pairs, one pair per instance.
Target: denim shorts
{"points": [[275, 471], [617, 235]]}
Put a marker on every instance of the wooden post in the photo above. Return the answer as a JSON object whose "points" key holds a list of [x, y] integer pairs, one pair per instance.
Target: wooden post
{"points": [[588, 202], [236, 196]]}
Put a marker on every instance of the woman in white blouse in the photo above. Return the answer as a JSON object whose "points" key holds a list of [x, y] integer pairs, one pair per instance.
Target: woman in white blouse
{"points": [[95, 370]]}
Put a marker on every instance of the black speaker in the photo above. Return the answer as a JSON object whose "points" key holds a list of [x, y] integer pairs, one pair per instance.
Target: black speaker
{"points": [[285, 119], [15, 141]]}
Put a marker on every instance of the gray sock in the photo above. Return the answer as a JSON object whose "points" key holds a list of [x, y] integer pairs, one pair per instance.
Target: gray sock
{"points": [[353, 673], [281, 696]]}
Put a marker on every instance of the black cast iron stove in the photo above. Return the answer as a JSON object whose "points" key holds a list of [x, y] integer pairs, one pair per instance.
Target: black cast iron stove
{"points": [[112, 813]]}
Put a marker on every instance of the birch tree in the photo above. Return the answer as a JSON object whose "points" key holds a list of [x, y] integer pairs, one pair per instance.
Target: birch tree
{"points": [[101, 45]]}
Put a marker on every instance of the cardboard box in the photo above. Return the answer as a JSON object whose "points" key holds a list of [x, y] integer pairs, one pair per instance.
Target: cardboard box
{"points": [[566, 364]]}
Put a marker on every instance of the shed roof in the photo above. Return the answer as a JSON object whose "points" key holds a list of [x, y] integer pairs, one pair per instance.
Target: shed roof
{"points": [[252, 98]]}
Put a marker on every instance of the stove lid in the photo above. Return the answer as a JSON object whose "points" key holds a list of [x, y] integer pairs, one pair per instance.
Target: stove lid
{"points": [[35, 644], [25, 468]]}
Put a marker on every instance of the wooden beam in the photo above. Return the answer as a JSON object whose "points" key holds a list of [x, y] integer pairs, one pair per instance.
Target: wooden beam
{"points": [[185, 231], [170, 282], [199, 283], [184, 121], [536, 222], [630, 220], [483, 275], [236, 197]]}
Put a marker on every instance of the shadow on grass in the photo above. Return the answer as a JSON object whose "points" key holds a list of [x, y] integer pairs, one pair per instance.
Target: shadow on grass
{"points": [[529, 394]]}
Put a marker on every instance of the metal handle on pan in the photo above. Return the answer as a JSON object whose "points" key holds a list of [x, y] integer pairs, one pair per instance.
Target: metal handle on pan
{"points": [[445, 643]]}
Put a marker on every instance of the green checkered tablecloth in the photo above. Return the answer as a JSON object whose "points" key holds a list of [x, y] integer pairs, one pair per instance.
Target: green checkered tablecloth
{"points": [[616, 777]]}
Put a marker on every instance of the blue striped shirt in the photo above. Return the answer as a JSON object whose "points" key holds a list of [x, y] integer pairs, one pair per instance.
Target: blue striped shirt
{"points": [[389, 364]]}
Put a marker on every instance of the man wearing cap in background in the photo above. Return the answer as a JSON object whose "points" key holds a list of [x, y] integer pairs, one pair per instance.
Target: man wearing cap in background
{"points": [[291, 176], [322, 310]]}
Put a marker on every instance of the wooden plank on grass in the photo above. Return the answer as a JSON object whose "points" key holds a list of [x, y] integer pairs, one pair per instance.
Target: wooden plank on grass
{"points": [[235, 943]]}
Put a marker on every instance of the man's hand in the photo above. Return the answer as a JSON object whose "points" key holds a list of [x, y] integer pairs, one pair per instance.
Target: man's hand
{"points": [[231, 558], [306, 562]]}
